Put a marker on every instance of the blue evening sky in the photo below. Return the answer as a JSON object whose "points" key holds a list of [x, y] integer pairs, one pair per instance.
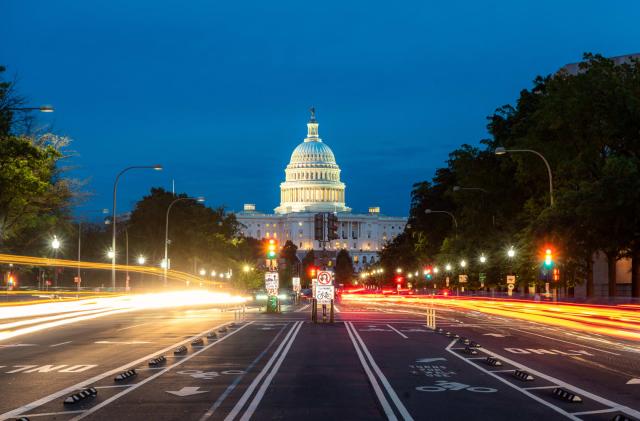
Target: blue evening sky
{"points": [[218, 91]]}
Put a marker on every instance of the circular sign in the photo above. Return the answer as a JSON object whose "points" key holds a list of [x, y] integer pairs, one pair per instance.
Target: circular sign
{"points": [[324, 278], [511, 286]]}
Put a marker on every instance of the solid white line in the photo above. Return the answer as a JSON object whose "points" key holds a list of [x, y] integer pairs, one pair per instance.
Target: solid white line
{"points": [[629, 411], [374, 383], [398, 332], [160, 373], [303, 308], [61, 343], [394, 397], [68, 390], [501, 371], [238, 407], [263, 388], [531, 395], [597, 411], [335, 307], [114, 386], [540, 387], [47, 414]]}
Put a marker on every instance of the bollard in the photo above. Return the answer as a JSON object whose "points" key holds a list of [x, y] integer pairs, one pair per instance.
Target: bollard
{"points": [[331, 314]]}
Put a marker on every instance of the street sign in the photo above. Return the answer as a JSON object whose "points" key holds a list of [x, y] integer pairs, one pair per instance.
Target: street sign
{"points": [[511, 279], [295, 281], [511, 286], [271, 283], [463, 278], [325, 277], [324, 294]]}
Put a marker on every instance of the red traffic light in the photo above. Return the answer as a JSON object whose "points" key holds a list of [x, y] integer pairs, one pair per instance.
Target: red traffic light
{"points": [[399, 279], [312, 271]]}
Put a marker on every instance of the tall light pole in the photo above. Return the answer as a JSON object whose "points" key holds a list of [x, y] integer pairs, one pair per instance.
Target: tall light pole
{"points": [[113, 238], [104, 211], [455, 222], [165, 266], [502, 151]]}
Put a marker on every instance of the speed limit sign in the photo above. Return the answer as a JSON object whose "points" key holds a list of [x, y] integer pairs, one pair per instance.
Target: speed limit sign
{"points": [[325, 277]]}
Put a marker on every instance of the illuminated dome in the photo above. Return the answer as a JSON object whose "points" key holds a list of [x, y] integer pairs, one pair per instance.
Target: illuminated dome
{"points": [[312, 178]]}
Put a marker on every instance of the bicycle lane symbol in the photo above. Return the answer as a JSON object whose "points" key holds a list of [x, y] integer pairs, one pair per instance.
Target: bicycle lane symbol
{"points": [[443, 385], [209, 375]]}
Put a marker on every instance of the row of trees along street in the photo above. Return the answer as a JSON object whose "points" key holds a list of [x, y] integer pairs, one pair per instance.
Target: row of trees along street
{"points": [[587, 125], [37, 197]]}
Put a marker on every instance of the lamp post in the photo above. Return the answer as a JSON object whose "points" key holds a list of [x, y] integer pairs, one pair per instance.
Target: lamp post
{"points": [[455, 222], [502, 151], [55, 245], [78, 281], [166, 232], [113, 238]]}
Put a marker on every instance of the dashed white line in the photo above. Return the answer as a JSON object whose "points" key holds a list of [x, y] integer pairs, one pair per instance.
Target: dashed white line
{"points": [[131, 327], [60, 344]]}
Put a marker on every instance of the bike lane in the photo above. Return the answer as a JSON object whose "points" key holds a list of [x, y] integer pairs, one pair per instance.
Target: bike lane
{"points": [[430, 381]]}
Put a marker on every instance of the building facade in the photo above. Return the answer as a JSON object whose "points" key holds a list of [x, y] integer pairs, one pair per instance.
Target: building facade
{"points": [[312, 185]]}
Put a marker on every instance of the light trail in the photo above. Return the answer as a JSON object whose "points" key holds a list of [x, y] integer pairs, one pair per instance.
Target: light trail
{"points": [[617, 321], [38, 317], [151, 270]]}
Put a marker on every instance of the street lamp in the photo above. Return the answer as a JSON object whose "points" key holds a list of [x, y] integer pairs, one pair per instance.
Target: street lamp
{"points": [[166, 231], [463, 263], [213, 273], [141, 260], [113, 237], [448, 267], [55, 243], [246, 268], [110, 254], [398, 270], [483, 258], [203, 272], [455, 222], [502, 151], [511, 252]]}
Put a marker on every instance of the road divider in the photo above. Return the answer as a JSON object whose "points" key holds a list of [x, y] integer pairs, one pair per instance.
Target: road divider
{"points": [[198, 342], [80, 396], [523, 375], [180, 350], [157, 361], [494, 362], [565, 395], [125, 375]]}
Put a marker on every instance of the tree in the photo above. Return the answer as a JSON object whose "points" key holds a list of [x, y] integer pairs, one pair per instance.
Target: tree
{"points": [[308, 261], [290, 266], [344, 267]]}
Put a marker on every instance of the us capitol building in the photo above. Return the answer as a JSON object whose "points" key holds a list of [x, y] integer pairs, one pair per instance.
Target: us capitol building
{"points": [[312, 184]]}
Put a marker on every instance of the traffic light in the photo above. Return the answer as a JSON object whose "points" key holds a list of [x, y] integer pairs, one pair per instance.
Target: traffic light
{"points": [[556, 274], [271, 249], [548, 258], [428, 272], [318, 227], [313, 271], [332, 221], [399, 279]]}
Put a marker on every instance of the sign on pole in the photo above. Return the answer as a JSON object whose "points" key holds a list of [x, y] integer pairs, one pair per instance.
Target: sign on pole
{"points": [[325, 277], [295, 281], [271, 283], [463, 278], [511, 279], [324, 294]]}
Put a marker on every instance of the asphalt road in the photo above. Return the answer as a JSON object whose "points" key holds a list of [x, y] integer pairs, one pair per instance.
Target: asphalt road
{"points": [[373, 363]]}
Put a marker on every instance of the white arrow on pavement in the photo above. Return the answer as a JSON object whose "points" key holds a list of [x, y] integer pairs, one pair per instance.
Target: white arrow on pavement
{"points": [[634, 381], [495, 335], [186, 391], [430, 360]]}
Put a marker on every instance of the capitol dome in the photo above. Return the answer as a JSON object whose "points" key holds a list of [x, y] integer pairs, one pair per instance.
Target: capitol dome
{"points": [[312, 178]]}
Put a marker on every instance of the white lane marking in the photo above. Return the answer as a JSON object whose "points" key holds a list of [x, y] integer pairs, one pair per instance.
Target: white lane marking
{"points": [[374, 383], [60, 344], [394, 397], [48, 414], [335, 307], [238, 379], [629, 411], [597, 411], [16, 345], [68, 390], [122, 342], [187, 391], [540, 387], [531, 395], [113, 386], [265, 385], [131, 327], [398, 332], [238, 407], [562, 340], [303, 308], [160, 373]]}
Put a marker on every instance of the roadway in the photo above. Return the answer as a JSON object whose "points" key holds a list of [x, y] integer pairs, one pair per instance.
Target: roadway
{"points": [[375, 362]]}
